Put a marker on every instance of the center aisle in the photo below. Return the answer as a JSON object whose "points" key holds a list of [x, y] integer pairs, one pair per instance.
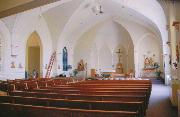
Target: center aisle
{"points": [[159, 104]]}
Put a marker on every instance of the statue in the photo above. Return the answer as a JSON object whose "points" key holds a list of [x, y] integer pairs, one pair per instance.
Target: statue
{"points": [[151, 62], [81, 66], [146, 62], [131, 73]]}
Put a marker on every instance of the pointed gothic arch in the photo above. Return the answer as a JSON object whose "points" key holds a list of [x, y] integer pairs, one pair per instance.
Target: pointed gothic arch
{"points": [[33, 54]]}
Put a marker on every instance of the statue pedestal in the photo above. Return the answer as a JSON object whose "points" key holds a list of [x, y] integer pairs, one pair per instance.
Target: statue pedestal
{"points": [[119, 68]]}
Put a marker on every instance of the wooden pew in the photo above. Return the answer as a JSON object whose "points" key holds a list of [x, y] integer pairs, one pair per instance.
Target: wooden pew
{"points": [[88, 90], [116, 81], [19, 110], [92, 89], [102, 92], [82, 96], [77, 104], [22, 84], [97, 87], [118, 88]]}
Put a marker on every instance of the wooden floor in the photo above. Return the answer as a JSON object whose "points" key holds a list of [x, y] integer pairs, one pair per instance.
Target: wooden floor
{"points": [[159, 105]]}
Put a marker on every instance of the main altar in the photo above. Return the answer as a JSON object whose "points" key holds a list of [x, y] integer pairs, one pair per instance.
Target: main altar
{"points": [[119, 72]]}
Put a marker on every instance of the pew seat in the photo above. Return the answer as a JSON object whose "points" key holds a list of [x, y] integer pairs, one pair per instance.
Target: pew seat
{"points": [[20, 110]]}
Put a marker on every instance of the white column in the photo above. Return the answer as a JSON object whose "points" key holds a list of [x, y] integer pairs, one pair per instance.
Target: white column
{"points": [[98, 61], [136, 62], [112, 62], [167, 71]]}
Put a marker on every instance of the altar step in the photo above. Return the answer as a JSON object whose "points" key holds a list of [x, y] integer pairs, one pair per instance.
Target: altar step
{"points": [[156, 80]]}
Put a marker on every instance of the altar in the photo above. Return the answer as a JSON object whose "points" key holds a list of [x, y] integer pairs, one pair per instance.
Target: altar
{"points": [[112, 74]]}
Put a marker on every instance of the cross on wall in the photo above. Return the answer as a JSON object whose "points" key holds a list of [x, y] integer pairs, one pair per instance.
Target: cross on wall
{"points": [[119, 52]]}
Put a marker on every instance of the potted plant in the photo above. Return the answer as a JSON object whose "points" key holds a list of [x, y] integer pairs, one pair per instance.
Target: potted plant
{"points": [[75, 72], [158, 73]]}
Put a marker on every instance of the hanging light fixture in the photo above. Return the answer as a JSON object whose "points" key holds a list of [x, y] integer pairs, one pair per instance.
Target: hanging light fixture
{"points": [[97, 9], [100, 9]]}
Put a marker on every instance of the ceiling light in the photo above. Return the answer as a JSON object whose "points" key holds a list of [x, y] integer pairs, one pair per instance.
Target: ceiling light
{"points": [[97, 9]]}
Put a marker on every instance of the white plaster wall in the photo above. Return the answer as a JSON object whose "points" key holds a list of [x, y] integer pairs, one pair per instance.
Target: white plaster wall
{"points": [[31, 21], [57, 21], [130, 57], [112, 34], [94, 55], [105, 58], [82, 51], [25, 24], [5, 36], [83, 19], [86, 49], [137, 32], [98, 46], [148, 46]]}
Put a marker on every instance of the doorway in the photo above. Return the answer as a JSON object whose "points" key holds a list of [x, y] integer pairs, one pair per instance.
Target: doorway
{"points": [[33, 55]]}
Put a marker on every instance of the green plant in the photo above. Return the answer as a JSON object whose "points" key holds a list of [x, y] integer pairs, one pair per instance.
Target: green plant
{"points": [[75, 71]]}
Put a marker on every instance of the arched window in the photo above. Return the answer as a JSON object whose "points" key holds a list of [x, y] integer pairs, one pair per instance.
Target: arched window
{"points": [[65, 59]]}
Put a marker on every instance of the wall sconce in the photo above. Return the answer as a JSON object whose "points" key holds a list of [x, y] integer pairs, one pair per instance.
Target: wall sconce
{"points": [[168, 43], [165, 54], [100, 9]]}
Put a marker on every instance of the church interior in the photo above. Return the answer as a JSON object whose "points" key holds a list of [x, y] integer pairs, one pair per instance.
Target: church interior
{"points": [[90, 58]]}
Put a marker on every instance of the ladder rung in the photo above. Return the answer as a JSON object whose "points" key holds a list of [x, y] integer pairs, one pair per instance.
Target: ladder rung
{"points": [[48, 72]]}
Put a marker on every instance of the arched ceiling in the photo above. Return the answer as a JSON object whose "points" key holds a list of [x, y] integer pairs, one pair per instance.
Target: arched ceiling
{"points": [[70, 20], [58, 16], [108, 32]]}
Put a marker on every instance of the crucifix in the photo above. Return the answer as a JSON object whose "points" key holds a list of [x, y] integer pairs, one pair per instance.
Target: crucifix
{"points": [[119, 52]]}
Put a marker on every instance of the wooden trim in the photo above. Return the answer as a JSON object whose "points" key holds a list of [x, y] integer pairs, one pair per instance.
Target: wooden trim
{"points": [[24, 7]]}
